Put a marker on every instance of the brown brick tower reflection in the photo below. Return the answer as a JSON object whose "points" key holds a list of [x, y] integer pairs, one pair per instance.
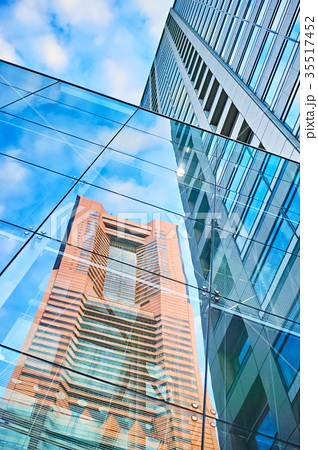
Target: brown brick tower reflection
{"points": [[116, 310]]}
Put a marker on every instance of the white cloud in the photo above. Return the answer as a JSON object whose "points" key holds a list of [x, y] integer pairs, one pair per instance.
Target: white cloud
{"points": [[82, 12], [156, 12], [161, 194], [105, 45], [121, 79], [14, 151], [33, 34], [11, 174], [117, 76], [52, 52], [8, 244], [30, 13], [7, 51], [133, 142]]}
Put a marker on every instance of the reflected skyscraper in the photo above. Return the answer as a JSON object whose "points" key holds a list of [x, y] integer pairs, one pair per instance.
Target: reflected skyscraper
{"points": [[115, 309], [201, 233]]}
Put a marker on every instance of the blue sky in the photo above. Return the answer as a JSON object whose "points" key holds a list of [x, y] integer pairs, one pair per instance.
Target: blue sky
{"points": [[104, 45], [109, 49]]}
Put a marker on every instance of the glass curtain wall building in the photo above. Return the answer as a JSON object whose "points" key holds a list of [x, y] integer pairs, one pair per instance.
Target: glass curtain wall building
{"points": [[136, 309], [233, 67]]}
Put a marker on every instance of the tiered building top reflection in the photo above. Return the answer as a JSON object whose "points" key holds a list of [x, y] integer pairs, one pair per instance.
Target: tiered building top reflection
{"points": [[113, 311], [236, 208]]}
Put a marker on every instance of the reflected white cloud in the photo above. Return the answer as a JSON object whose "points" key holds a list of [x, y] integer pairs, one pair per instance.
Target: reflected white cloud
{"points": [[11, 174]]}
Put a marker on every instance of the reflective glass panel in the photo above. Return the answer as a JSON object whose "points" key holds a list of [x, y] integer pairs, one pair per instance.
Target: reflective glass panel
{"points": [[46, 147], [255, 380], [127, 294], [150, 279], [28, 193], [12, 238], [20, 78], [73, 111], [49, 406]]}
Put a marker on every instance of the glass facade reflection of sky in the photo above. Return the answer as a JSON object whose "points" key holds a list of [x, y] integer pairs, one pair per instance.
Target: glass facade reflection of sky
{"points": [[89, 355]]}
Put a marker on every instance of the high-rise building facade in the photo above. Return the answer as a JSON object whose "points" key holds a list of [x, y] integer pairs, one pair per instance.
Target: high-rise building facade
{"points": [[171, 321], [115, 308], [233, 67]]}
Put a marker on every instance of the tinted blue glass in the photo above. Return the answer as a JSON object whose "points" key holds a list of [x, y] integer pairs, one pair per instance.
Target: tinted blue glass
{"points": [[246, 386], [261, 59], [293, 209], [27, 193], [268, 426], [219, 16], [296, 29], [262, 9], [226, 40], [288, 357], [9, 94], [90, 102], [278, 15], [229, 200], [294, 313], [11, 240], [125, 175], [293, 113], [248, 367], [146, 146], [235, 437], [281, 68], [17, 77], [74, 111], [249, 9], [237, 43], [261, 191], [250, 216], [22, 287], [223, 159], [284, 236], [239, 172], [272, 165], [46, 147], [248, 50], [244, 351], [267, 272], [242, 154]]}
